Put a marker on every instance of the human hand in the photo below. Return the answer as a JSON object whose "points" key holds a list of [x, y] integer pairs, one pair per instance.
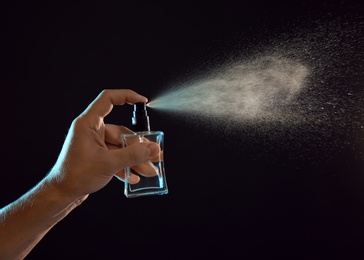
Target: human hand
{"points": [[92, 154]]}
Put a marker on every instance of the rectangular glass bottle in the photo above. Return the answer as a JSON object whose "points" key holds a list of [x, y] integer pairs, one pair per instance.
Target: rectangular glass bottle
{"points": [[148, 185], [152, 180]]}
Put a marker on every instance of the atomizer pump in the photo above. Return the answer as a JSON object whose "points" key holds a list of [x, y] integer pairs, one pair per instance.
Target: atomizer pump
{"points": [[140, 119]]}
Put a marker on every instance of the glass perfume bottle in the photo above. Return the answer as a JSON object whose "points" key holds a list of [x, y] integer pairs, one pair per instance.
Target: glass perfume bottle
{"points": [[148, 185]]}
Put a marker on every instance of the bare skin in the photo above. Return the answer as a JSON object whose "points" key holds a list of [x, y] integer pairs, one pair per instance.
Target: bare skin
{"points": [[91, 155]]}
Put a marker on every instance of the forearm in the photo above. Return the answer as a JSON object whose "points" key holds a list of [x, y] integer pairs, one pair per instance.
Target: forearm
{"points": [[24, 222]]}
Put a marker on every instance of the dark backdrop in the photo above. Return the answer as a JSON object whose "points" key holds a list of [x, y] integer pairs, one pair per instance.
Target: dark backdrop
{"points": [[250, 199]]}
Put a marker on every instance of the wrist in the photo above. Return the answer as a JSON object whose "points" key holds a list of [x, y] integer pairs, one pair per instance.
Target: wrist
{"points": [[55, 201], [62, 186], [59, 192], [25, 221]]}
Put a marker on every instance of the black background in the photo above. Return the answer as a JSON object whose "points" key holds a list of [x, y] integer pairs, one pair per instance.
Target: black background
{"points": [[250, 199]]}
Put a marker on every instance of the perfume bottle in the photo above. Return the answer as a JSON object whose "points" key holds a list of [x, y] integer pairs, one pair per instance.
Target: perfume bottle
{"points": [[148, 185]]}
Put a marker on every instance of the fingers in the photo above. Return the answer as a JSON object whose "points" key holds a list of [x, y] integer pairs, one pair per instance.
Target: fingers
{"points": [[104, 102], [146, 169], [133, 179], [113, 140], [113, 133], [158, 158], [133, 155]]}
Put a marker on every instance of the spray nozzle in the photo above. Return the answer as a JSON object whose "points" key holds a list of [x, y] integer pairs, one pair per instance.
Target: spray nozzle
{"points": [[140, 119], [140, 107]]}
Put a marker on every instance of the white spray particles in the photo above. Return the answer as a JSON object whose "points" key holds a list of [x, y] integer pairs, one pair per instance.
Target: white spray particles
{"points": [[302, 91], [254, 89]]}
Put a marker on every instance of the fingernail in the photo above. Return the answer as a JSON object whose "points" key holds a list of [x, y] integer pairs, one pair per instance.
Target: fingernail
{"points": [[153, 149], [133, 179], [146, 99]]}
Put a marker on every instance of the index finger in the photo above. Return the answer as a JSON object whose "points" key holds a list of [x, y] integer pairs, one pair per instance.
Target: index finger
{"points": [[105, 101]]}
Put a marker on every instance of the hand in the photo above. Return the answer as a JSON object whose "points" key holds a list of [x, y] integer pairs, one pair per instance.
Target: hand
{"points": [[92, 152]]}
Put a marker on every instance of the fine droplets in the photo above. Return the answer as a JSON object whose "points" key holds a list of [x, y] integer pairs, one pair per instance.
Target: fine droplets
{"points": [[256, 89], [301, 91]]}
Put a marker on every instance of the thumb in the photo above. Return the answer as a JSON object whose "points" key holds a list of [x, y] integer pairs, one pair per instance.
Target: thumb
{"points": [[134, 154]]}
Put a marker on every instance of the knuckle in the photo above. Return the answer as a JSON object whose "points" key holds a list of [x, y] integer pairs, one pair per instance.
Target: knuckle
{"points": [[137, 154], [78, 122], [128, 92], [105, 92]]}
